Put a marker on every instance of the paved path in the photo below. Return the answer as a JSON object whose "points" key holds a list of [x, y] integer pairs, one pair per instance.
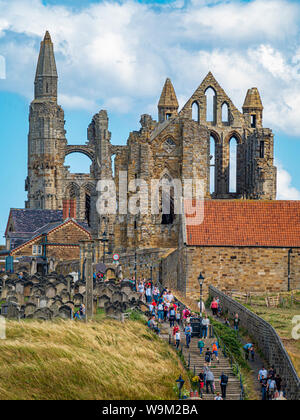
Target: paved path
{"points": [[197, 362]]}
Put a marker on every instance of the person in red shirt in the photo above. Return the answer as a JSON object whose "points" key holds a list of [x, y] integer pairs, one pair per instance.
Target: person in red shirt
{"points": [[175, 330], [214, 307]]}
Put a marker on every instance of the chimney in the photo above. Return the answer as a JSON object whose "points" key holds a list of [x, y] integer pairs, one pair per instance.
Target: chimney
{"points": [[73, 209], [66, 209]]}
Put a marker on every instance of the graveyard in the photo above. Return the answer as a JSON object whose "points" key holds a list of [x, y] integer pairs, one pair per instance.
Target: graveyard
{"points": [[47, 297]]}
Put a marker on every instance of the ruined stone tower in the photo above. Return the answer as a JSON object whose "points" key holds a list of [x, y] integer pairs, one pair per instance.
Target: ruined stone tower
{"points": [[49, 181], [46, 139]]}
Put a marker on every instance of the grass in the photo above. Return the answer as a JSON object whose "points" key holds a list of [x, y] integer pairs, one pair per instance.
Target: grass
{"points": [[281, 320], [73, 360]]}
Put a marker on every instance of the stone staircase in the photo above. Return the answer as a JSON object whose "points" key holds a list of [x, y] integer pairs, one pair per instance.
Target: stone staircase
{"points": [[197, 362]]}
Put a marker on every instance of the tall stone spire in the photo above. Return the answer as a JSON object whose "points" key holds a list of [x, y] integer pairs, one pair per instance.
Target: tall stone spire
{"points": [[46, 137], [45, 84], [168, 104]]}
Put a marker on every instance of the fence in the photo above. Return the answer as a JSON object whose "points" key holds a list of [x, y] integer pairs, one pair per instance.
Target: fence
{"points": [[266, 339]]}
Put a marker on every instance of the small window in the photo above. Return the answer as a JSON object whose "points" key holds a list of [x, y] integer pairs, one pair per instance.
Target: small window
{"points": [[253, 121], [195, 112], [37, 250], [262, 150]]}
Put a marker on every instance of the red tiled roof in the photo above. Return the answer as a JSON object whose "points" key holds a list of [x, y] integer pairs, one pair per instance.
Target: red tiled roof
{"points": [[244, 223]]}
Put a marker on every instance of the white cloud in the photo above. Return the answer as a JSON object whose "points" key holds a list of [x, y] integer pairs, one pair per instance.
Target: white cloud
{"points": [[75, 102], [285, 189], [118, 54]]}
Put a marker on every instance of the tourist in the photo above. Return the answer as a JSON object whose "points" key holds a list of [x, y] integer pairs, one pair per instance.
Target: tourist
{"points": [[172, 315], [205, 326], [178, 316], [82, 310], [141, 289], [210, 380], [252, 352], [236, 322], [226, 322], [148, 293], [214, 307], [264, 385], [185, 314], [223, 384], [177, 338], [160, 311], [170, 296], [247, 348], [188, 334], [175, 330], [278, 381], [201, 377], [272, 372], [271, 388], [166, 311], [262, 373], [218, 397], [156, 293], [208, 356], [215, 351], [152, 325], [201, 345]]}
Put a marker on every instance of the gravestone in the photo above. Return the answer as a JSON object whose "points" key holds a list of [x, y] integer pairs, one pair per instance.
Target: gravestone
{"points": [[43, 302], [103, 300], [50, 291], [78, 299], [65, 312], [42, 313], [29, 309]]}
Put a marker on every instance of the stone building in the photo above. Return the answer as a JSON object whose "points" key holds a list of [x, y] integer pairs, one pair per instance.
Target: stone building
{"points": [[246, 245], [183, 144], [40, 239], [210, 140]]}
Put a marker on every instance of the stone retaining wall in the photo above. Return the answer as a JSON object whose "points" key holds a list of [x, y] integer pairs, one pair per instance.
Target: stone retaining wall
{"points": [[267, 340]]}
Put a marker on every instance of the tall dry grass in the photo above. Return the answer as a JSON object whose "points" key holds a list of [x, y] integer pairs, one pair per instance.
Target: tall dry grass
{"points": [[71, 360]]}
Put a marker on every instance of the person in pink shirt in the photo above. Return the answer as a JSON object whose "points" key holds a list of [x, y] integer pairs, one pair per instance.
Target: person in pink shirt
{"points": [[214, 307]]}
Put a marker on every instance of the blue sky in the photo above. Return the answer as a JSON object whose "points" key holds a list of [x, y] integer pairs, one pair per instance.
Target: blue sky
{"points": [[116, 55]]}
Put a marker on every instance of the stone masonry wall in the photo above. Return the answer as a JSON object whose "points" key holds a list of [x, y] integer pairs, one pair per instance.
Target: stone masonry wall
{"points": [[267, 340], [243, 269]]}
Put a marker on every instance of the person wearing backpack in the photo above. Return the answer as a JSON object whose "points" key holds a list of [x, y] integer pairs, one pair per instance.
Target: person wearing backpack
{"points": [[201, 345], [208, 356], [215, 351], [223, 384]]}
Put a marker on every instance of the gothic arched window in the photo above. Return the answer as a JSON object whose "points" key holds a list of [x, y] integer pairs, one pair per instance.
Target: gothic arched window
{"points": [[210, 105], [233, 165]]}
